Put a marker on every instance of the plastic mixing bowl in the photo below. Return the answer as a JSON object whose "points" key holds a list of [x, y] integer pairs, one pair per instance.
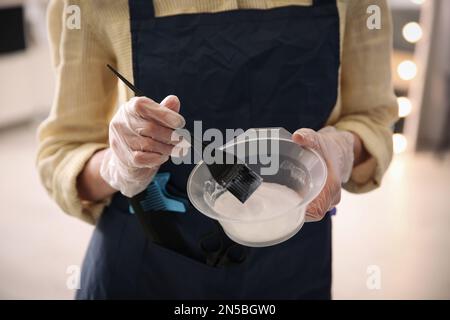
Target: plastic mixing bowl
{"points": [[301, 169]]}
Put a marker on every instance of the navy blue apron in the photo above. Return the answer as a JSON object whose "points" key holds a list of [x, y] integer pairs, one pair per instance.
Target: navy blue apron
{"points": [[235, 69]]}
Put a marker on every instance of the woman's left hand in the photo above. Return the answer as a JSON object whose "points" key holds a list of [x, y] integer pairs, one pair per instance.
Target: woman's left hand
{"points": [[337, 149]]}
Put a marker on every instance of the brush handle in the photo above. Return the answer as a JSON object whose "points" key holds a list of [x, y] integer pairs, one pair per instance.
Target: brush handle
{"points": [[139, 93], [216, 169], [136, 91]]}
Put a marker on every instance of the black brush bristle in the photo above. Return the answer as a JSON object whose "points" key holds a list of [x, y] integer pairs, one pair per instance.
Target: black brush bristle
{"points": [[237, 178], [244, 183]]}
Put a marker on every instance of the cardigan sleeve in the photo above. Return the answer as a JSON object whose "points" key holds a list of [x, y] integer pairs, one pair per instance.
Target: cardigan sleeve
{"points": [[369, 106], [85, 96]]}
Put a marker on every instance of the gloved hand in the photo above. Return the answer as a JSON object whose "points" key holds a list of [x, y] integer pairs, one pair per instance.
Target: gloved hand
{"points": [[141, 139], [336, 148]]}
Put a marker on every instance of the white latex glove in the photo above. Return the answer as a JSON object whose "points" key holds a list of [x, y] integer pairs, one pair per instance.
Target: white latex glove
{"points": [[141, 139], [336, 147]]}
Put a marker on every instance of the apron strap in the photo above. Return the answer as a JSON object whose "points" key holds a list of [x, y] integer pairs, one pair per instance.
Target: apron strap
{"points": [[317, 3], [141, 9]]}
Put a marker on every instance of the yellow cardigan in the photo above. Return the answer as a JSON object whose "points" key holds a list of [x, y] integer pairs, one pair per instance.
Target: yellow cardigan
{"points": [[87, 95]]}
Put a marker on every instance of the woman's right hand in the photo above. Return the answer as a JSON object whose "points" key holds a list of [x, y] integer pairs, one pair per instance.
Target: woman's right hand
{"points": [[141, 139]]}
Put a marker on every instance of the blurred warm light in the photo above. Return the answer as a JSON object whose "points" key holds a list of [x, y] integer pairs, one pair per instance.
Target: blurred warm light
{"points": [[407, 70], [418, 1], [400, 143], [412, 32], [404, 107]]}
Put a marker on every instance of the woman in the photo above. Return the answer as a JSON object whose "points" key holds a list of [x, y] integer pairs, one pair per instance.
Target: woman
{"points": [[312, 67]]}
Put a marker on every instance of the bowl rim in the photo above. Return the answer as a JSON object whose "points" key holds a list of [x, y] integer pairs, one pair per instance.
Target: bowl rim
{"points": [[305, 201]]}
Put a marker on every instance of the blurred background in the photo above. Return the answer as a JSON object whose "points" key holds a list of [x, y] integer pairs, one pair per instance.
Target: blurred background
{"points": [[398, 233]]}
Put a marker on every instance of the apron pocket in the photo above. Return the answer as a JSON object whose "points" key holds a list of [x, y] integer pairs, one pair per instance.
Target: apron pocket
{"points": [[164, 272]]}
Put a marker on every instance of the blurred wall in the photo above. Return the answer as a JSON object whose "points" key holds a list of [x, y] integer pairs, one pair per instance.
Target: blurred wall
{"points": [[27, 79], [433, 130]]}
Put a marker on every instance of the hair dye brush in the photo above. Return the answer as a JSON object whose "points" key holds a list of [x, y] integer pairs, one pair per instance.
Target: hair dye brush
{"points": [[237, 178]]}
